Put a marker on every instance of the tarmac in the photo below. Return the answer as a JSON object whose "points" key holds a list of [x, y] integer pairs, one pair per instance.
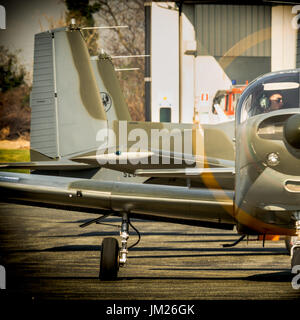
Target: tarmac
{"points": [[48, 257]]}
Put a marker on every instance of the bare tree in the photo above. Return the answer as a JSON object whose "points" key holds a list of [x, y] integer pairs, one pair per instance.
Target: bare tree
{"points": [[52, 23], [82, 11], [124, 42]]}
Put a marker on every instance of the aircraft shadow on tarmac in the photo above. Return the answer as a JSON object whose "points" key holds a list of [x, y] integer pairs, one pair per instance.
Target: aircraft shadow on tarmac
{"points": [[235, 251], [170, 233], [281, 276]]}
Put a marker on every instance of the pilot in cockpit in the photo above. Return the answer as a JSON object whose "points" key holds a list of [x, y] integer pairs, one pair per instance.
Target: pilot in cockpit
{"points": [[262, 98], [275, 102], [271, 102]]}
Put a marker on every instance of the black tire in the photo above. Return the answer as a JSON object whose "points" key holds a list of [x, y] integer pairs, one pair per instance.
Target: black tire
{"points": [[296, 258], [109, 260]]}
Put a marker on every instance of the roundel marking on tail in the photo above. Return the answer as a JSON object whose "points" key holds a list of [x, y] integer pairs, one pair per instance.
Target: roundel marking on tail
{"points": [[106, 100]]}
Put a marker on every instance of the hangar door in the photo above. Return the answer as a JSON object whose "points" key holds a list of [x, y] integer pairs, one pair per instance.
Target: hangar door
{"points": [[238, 36]]}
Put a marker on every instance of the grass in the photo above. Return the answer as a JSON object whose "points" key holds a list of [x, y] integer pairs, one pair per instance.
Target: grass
{"points": [[11, 155]]}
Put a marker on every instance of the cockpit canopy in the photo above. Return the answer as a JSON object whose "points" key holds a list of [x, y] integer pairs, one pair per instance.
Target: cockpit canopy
{"points": [[272, 92]]}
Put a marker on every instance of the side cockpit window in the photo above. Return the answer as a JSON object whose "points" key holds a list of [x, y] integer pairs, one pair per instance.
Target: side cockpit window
{"points": [[247, 109], [271, 94]]}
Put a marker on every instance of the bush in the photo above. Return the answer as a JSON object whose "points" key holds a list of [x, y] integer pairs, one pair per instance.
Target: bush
{"points": [[14, 97], [15, 113], [12, 74]]}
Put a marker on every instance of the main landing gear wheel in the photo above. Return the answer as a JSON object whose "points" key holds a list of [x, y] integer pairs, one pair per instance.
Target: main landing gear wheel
{"points": [[111, 257], [109, 261]]}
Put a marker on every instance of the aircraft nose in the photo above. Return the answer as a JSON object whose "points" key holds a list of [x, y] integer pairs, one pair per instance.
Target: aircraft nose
{"points": [[292, 131]]}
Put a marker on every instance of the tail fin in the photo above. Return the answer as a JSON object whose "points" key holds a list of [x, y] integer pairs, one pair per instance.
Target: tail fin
{"points": [[109, 87], [66, 105]]}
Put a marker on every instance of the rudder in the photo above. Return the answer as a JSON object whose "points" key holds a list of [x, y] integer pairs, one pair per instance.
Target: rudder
{"points": [[108, 84]]}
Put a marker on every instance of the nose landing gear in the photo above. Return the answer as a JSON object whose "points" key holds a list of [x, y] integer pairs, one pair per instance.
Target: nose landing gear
{"points": [[295, 251]]}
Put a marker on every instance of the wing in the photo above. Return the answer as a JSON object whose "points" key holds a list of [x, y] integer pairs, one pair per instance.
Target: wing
{"points": [[140, 199], [149, 159]]}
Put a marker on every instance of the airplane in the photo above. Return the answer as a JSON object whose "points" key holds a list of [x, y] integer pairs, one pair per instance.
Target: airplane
{"points": [[88, 155]]}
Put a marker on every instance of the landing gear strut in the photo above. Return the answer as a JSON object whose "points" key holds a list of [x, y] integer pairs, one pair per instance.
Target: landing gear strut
{"points": [[125, 236], [295, 251]]}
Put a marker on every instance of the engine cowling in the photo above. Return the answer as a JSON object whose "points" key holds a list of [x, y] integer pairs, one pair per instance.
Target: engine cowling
{"points": [[268, 155]]}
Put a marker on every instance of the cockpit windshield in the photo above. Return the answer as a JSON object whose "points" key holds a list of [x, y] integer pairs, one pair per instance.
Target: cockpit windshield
{"points": [[279, 91]]}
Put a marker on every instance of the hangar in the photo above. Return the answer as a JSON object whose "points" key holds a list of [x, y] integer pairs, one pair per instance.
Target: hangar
{"points": [[198, 48]]}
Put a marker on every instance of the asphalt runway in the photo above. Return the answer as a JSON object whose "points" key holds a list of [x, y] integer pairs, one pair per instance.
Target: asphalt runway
{"points": [[47, 256]]}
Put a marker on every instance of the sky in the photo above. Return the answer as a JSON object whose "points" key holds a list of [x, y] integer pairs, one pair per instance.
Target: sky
{"points": [[23, 20]]}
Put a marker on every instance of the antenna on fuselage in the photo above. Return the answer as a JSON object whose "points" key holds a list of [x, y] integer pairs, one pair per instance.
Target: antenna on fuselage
{"points": [[130, 56], [74, 26], [108, 27]]}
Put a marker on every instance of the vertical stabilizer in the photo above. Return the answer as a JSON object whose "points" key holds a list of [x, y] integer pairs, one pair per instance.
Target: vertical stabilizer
{"points": [[66, 105], [108, 85]]}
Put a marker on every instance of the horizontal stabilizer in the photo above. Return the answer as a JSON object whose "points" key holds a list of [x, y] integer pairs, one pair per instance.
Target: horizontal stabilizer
{"points": [[112, 157], [148, 163], [186, 172]]}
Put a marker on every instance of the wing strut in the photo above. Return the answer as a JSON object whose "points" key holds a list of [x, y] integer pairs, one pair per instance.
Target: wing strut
{"points": [[227, 245], [97, 220]]}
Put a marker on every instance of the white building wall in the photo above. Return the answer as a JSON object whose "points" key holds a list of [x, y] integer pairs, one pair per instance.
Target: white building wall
{"points": [[284, 38], [189, 48], [164, 60]]}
